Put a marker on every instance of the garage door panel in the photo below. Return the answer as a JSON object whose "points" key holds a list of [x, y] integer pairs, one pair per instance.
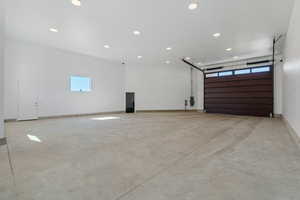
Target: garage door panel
{"points": [[239, 112], [246, 107], [240, 95], [262, 88], [267, 101], [239, 83]]}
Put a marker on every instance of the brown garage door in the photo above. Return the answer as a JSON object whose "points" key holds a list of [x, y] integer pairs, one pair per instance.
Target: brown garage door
{"points": [[242, 92]]}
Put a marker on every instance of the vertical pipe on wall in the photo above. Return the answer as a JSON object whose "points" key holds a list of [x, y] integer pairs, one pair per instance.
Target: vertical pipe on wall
{"points": [[192, 83], [273, 69], [1, 69], [192, 98]]}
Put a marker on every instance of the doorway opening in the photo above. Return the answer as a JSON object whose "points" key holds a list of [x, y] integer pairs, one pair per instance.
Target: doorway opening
{"points": [[130, 104]]}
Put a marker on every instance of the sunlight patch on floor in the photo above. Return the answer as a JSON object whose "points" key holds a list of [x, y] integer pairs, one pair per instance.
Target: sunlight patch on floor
{"points": [[104, 118], [34, 138]]}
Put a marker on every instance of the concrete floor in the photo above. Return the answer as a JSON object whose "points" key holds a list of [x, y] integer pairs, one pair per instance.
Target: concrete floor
{"points": [[151, 156]]}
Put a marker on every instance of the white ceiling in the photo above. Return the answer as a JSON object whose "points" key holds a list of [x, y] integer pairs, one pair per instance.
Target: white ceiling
{"points": [[247, 26]]}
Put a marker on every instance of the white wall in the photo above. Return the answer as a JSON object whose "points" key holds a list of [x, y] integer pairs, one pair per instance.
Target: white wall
{"points": [[51, 69], [200, 90], [157, 87], [291, 71], [278, 85], [160, 86], [1, 67]]}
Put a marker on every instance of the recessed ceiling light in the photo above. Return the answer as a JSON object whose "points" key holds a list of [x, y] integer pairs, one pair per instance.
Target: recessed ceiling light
{"points": [[139, 57], [199, 63], [136, 32], [228, 49], [187, 58], [169, 48], [235, 57], [53, 30], [216, 35], [106, 46], [168, 62], [193, 6], [76, 2]]}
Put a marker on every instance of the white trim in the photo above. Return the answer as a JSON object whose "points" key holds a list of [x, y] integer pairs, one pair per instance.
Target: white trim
{"points": [[292, 131]]}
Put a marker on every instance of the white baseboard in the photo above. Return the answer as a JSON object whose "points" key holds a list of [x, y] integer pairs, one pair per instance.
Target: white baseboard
{"points": [[278, 115], [292, 131], [70, 115], [145, 111]]}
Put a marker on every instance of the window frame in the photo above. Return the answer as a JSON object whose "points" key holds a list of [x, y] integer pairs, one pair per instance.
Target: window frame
{"points": [[80, 91]]}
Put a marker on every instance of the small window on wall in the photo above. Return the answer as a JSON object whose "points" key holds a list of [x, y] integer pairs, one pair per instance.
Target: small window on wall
{"points": [[260, 69], [80, 84]]}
